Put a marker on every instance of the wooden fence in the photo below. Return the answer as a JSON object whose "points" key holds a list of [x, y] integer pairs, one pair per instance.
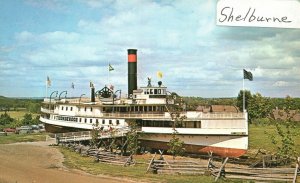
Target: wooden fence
{"points": [[101, 156], [220, 169]]}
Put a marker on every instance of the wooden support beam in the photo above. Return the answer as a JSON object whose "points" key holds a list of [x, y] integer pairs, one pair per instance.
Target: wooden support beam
{"points": [[209, 164], [150, 163], [221, 169], [128, 159], [296, 172], [161, 153]]}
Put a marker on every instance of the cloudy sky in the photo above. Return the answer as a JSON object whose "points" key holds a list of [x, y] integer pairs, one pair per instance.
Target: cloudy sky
{"points": [[75, 40]]}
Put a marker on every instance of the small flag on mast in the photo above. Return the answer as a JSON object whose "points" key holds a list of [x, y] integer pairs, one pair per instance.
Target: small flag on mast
{"points": [[110, 68], [72, 86], [159, 74], [48, 81], [91, 84], [248, 75]]}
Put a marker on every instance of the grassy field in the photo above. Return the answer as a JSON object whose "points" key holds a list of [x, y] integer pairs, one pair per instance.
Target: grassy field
{"points": [[258, 139], [13, 138], [137, 172], [18, 114]]}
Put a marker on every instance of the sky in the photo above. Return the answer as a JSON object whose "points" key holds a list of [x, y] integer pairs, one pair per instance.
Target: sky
{"points": [[73, 41]]}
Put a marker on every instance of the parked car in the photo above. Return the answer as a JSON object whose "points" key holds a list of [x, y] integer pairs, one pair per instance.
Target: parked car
{"points": [[10, 130], [25, 129]]}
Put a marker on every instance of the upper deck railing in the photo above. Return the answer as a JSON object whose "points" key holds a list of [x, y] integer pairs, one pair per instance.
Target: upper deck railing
{"points": [[134, 115], [191, 115], [87, 135]]}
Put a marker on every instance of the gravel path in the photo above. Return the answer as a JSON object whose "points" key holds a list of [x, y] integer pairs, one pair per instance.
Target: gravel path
{"points": [[36, 162]]}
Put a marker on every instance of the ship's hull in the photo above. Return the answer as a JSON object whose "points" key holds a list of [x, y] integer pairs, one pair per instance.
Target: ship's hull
{"points": [[220, 145], [224, 145]]}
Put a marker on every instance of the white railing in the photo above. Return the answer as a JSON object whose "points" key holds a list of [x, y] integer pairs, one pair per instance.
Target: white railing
{"points": [[86, 135], [219, 116], [130, 115], [46, 110]]}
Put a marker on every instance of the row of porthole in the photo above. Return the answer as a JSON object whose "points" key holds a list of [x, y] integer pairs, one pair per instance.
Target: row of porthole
{"points": [[71, 108], [85, 120]]}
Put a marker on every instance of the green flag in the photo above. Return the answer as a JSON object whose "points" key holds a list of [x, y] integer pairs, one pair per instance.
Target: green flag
{"points": [[248, 75], [110, 68], [48, 81]]}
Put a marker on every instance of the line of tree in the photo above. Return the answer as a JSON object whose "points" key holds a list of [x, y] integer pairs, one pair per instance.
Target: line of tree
{"points": [[8, 122], [15, 104], [259, 107]]}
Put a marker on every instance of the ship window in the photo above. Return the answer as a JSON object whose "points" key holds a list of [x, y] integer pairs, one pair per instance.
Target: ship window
{"points": [[155, 91], [91, 109], [145, 108], [85, 120], [141, 108], [159, 91], [66, 108], [118, 122], [150, 108], [62, 108], [103, 121], [85, 109], [147, 91], [71, 108], [154, 108], [79, 119], [91, 120], [110, 121], [151, 91], [97, 122]]}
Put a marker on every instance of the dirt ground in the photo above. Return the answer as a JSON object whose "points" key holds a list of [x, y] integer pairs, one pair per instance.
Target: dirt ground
{"points": [[36, 162]]}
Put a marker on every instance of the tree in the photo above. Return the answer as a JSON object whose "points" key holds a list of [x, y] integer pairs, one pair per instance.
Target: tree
{"points": [[132, 137], [259, 107], [284, 137], [5, 119], [33, 107], [175, 145], [95, 137], [248, 96], [27, 119]]}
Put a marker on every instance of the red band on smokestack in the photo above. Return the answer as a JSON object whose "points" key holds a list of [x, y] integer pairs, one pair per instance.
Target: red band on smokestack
{"points": [[132, 58]]}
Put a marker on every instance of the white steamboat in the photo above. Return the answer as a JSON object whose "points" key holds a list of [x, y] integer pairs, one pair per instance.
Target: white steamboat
{"points": [[223, 133]]}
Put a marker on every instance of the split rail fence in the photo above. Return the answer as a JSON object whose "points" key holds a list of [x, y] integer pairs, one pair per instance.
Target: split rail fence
{"points": [[220, 169], [101, 156]]}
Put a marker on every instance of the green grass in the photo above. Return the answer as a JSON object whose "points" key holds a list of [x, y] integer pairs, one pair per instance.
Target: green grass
{"points": [[18, 114], [13, 138], [137, 172], [258, 139]]}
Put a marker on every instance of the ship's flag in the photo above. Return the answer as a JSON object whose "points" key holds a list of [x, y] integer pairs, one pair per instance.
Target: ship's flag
{"points": [[111, 87], [48, 81], [91, 84], [110, 68], [72, 86], [159, 74], [248, 75]]}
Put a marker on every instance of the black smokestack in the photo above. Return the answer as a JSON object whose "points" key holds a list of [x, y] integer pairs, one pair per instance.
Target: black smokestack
{"points": [[93, 94], [132, 71]]}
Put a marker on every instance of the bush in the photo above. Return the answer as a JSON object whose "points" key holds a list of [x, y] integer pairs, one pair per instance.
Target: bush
{"points": [[261, 122]]}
